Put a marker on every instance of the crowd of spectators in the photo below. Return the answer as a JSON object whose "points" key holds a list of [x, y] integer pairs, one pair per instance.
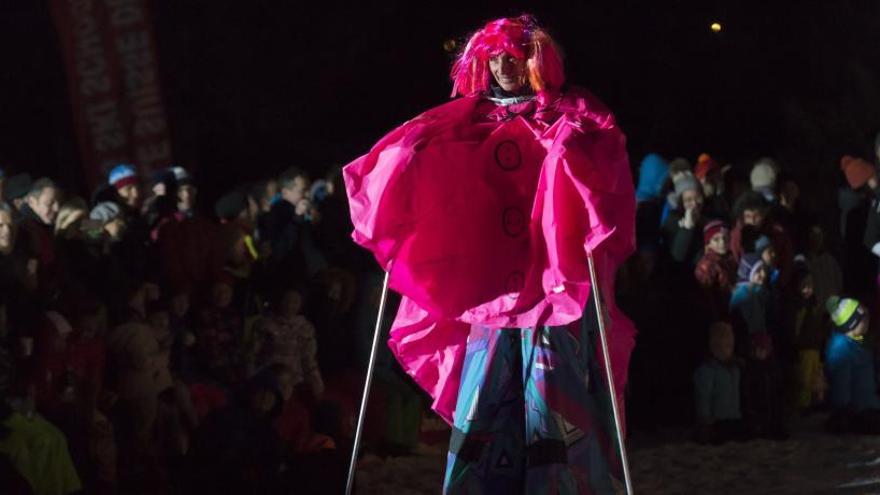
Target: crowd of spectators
{"points": [[757, 309], [151, 345]]}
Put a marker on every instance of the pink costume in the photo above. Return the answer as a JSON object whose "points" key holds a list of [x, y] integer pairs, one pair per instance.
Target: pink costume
{"points": [[484, 212]]}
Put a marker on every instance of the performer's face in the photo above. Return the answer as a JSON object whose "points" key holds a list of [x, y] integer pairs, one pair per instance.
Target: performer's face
{"points": [[509, 72]]}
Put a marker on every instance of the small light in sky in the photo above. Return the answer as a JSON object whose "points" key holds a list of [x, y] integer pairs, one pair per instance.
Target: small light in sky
{"points": [[715, 27], [450, 45]]}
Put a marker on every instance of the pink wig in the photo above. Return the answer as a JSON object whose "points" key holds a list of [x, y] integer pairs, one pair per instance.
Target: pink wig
{"points": [[517, 36]]}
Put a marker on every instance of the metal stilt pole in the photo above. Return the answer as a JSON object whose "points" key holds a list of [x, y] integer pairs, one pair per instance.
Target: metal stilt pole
{"points": [[352, 467], [600, 315]]}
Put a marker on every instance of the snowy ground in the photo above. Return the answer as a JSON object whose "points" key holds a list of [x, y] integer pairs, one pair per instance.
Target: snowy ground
{"points": [[811, 462]]}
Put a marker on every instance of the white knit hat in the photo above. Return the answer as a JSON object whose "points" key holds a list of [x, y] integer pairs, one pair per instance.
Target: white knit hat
{"points": [[764, 173]]}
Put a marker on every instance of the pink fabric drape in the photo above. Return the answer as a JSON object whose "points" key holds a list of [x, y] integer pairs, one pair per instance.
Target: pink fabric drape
{"points": [[484, 215]]}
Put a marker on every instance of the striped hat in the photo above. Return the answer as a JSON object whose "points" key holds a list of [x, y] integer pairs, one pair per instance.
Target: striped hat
{"points": [[122, 175], [846, 314]]}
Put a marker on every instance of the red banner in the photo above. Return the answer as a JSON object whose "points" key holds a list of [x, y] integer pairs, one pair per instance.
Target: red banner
{"points": [[113, 76]]}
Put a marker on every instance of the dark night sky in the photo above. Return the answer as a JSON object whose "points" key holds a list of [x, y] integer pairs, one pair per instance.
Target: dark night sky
{"points": [[253, 87]]}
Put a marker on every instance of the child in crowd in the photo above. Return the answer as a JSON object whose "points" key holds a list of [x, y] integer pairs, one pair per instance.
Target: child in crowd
{"points": [[717, 390], [681, 228], [716, 270], [763, 390], [219, 334], [849, 364], [750, 300], [288, 338], [807, 326]]}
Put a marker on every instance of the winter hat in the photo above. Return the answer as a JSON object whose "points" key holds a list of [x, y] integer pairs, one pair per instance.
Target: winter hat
{"points": [[230, 205], [652, 175], [712, 228], [764, 174], [17, 186], [761, 244], [845, 313], [705, 166], [105, 212], [678, 165], [749, 200], [857, 171], [686, 182], [122, 175], [181, 176], [748, 267]]}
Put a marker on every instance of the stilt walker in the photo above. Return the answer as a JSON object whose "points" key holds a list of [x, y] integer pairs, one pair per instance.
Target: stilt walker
{"points": [[505, 211]]}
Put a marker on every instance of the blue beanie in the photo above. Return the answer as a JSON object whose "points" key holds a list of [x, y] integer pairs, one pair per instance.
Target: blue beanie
{"points": [[652, 175], [122, 175]]}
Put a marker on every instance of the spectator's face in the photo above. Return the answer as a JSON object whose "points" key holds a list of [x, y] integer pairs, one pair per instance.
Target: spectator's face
{"points": [[186, 197], [509, 72], [769, 256], [759, 277], [718, 243], [807, 288], [159, 189], [303, 206], [221, 295], [721, 345], [160, 322], [862, 328], [131, 195], [755, 218], [268, 194], [291, 304], [115, 228], [296, 190], [180, 304], [761, 353], [7, 232], [45, 204], [262, 401], [692, 200], [285, 385]]}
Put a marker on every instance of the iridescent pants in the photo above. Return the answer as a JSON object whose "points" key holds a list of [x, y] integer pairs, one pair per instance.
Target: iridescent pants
{"points": [[533, 415]]}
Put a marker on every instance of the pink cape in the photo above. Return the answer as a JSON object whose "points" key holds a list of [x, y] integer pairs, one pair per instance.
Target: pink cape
{"points": [[484, 215]]}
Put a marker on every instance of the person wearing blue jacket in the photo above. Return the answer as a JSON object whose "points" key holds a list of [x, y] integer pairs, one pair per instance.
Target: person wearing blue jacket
{"points": [[849, 365]]}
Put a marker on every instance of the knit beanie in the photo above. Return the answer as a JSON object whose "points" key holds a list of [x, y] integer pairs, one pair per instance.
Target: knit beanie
{"points": [[857, 171], [122, 175], [686, 182], [763, 174], [748, 267], [761, 244], [181, 176], [846, 313], [652, 175], [678, 165], [104, 212], [705, 166], [17, 186], [230, 205], [712, 228]]}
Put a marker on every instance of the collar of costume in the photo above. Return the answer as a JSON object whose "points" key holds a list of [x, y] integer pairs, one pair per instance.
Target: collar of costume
{"points": [[504, 98]]}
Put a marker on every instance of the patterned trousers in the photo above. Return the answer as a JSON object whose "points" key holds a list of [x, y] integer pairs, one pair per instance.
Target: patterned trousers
{"points": [[533, 415]]}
